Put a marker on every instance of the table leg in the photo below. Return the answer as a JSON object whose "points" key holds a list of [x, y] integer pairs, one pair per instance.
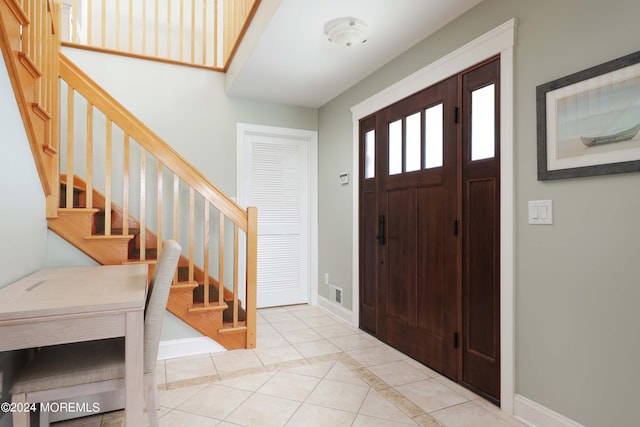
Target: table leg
{"points": [[134, 369], [20, 419]]}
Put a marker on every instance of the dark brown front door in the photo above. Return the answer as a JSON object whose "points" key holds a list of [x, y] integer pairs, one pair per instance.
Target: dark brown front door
{"points": [[428, 226]]}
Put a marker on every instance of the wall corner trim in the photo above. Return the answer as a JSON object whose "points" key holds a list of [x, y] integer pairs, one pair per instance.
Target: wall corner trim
{"points": [[536, 415]]}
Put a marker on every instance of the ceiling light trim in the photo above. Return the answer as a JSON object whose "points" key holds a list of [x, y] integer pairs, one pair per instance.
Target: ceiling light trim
{"points": [[346, 31]]}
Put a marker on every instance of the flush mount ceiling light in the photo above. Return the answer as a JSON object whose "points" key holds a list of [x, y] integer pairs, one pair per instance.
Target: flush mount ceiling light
{"points": [[346, 31]]}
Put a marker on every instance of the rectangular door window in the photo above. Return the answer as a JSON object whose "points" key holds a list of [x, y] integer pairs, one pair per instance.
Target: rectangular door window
{"points": [[483, 134], [395, 147], [413, 137], [433, 137], [370, 154]]}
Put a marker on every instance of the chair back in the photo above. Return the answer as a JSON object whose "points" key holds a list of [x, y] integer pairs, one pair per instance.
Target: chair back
{"points": [[157, 296]]}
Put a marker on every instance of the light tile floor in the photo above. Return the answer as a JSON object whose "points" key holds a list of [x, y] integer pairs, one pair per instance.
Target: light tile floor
{"points": [[309, 369]]}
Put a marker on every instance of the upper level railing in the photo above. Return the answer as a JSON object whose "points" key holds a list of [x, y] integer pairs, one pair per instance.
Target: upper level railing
{"points": [[201, 33]]}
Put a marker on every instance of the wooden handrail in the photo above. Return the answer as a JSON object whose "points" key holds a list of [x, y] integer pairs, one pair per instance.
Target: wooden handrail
{"points": [[150, 141]]}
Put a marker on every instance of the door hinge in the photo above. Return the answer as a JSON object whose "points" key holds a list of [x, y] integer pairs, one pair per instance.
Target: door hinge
{"points": [[455, 227], [456, 114], [455, 340], [380, 235]]}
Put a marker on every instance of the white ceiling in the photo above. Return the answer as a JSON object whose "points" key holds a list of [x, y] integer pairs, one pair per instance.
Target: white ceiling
{"points": [[286, 57]]}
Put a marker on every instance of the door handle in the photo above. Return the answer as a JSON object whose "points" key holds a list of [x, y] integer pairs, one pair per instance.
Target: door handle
{"points": [[380, 235]]}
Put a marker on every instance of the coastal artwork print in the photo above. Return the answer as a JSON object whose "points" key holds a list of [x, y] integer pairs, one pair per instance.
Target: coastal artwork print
{"points": [[589, 122]]}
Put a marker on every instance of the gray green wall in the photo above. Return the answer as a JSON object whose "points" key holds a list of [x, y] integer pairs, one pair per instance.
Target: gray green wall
{"points": [[577, 281]]}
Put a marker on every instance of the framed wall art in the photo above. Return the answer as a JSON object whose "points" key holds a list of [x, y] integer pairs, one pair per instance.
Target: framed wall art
{"points": [[588, 123]]}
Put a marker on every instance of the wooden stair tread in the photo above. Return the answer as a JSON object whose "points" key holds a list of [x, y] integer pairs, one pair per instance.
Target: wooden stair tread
{"points": [[201, 308], [140, 261], [125, 237], [184, 285], [230, 330], [77, 211]]}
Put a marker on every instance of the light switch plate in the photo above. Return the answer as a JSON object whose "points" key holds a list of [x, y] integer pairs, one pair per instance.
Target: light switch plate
{"points": [[540, 212], [344, 178]]}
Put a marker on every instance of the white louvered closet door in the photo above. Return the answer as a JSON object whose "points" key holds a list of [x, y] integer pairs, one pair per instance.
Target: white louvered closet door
{"points": [[279, 188]]}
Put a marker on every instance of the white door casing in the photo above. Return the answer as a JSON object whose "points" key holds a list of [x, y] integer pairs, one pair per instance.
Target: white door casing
{"points": [[277, 173]]}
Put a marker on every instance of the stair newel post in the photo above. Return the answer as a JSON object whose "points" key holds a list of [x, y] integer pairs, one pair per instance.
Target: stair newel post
{"points": [[252, 267]]}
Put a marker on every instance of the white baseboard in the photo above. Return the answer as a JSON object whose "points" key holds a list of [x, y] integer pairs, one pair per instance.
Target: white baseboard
{"points": [[171, 349], [336, 310], [536, 415]]}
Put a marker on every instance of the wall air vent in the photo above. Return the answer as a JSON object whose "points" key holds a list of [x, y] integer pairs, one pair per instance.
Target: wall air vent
{"points": [[335, 294]]}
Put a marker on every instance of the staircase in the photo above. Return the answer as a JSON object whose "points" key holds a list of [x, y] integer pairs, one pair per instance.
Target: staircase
{"points": [[117, 207], [85, 228]]}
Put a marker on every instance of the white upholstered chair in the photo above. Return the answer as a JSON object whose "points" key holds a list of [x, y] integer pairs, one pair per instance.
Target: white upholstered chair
{"points": [[85, 368]]}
